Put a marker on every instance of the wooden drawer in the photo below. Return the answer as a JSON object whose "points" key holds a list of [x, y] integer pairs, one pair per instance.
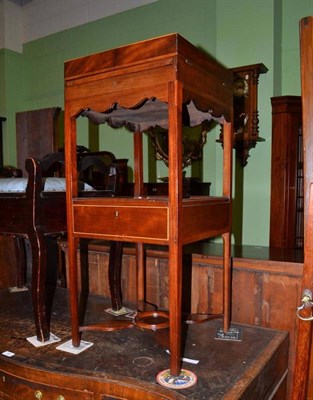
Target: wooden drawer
{"points": [[128, 223], [18, 382], [13, 387]]}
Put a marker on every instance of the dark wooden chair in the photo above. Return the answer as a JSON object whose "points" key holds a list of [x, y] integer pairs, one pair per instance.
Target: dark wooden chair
{"points": [[35, 208], [15, 275], [89, 165]]}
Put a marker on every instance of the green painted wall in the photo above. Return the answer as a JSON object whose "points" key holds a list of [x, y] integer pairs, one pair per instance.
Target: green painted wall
{"points": [[292, 12], [2, 83], [12, 69], [245, 35], [236, 32]]}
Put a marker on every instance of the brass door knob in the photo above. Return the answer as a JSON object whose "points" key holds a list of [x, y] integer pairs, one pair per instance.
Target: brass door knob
{"points": [[60, 397]]}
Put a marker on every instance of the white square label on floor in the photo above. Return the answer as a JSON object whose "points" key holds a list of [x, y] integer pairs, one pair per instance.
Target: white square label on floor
{"points": [[37, 343], [69, 348], [232, 334]]}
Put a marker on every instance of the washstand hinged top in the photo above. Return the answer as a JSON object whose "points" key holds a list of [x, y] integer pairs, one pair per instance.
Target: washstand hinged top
{"points": [[160, 81], [149, 66]]}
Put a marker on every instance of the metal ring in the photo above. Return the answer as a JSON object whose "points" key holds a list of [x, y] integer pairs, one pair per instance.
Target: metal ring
{"points": [[303, 318]]}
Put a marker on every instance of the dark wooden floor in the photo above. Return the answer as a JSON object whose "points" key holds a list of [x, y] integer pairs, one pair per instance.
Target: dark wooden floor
{"points": [[249, 369]]}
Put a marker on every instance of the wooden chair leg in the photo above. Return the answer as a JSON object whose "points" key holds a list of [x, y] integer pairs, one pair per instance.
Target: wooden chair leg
{"points": [[39, 262], [84, 279], [115, 267], [84, 266], [20, 251], [114, 274]]}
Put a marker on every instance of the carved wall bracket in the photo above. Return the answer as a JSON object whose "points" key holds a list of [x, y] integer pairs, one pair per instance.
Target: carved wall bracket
{"points": [[246, 115]]}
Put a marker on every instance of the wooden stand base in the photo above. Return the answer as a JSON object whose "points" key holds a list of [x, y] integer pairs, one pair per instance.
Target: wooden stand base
{"points": [[126, 363]]}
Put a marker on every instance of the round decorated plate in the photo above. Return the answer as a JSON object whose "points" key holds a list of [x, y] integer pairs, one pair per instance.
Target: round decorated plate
{"points": [[184, 380]]}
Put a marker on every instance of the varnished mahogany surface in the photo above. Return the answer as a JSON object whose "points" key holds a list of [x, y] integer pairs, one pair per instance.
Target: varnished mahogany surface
{"points": [[150, 64], [176, 74], [122, 218], [303, 371], [126, 362]]}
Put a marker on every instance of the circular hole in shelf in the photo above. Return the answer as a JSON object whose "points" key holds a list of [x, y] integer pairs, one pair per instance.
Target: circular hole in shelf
{"points": [[153, 320]]}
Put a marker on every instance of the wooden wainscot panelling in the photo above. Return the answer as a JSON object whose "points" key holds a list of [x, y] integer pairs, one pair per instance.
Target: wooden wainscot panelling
{"points": [[264, 292]]}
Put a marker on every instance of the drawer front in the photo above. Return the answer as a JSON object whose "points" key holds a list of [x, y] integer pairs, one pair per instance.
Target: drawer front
{"points": [[124, 223], [12, 387], [114, 391], [204, 221]]}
